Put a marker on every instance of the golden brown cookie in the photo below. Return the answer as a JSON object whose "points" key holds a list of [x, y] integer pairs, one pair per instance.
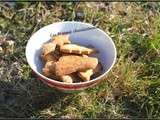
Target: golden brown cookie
{"points": [[48, 70], [77, 49], [71, 78], [60, 40], [49, 57], [73, 63], [47, 48], [67, 79], [86, 75]]}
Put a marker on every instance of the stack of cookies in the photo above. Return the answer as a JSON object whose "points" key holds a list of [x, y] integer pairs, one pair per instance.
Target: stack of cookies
{"points": [[67, 62]]}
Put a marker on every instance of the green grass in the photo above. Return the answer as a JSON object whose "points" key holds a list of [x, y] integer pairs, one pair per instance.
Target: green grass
{"points": [[130, 90]]}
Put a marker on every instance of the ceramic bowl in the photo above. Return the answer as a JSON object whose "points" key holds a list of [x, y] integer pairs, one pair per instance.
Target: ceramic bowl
{"points": [[94, 37]]}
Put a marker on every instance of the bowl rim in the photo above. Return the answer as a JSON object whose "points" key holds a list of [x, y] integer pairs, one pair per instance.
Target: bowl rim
{"points": [[79, 83]]}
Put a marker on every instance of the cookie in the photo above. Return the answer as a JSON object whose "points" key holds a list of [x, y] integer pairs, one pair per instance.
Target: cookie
{"points": [[77, 49], [60, 40], [68, 78], [73, 63], [86, 75], [49, 57], [46, 71], [48, 48]]}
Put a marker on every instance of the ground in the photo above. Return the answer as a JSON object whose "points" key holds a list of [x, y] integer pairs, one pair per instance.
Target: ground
{"points": [[130, 90]]}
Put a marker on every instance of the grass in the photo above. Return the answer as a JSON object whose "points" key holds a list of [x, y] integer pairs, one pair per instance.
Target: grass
{"points": [[130, 90]]}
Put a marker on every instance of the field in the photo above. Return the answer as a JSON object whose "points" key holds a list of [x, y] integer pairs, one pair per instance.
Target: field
{"points": [[130, 90]]}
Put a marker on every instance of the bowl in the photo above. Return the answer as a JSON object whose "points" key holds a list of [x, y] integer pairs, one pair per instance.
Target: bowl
{"points": [[93, 37]]}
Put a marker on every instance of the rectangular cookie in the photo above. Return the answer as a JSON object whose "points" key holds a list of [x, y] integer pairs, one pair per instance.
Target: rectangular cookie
{"points": [[77, 49]]}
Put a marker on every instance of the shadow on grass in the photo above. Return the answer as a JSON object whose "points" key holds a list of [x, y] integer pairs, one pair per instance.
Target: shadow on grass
{"points": [[125, 108], [26, 98]]}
